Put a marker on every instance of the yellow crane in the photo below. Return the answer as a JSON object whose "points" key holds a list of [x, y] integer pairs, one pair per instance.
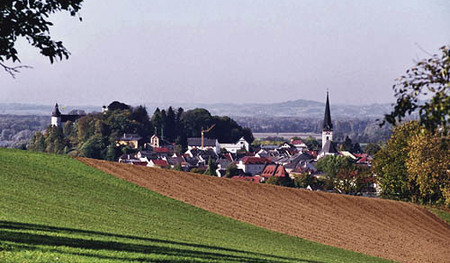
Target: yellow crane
{"points": [[203, 134]]}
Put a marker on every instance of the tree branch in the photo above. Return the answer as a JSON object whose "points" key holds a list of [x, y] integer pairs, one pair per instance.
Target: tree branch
{"points": [[13, 70]]}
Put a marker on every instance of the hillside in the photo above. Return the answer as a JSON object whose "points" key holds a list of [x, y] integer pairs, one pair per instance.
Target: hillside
{"points": [[57, 209], [395, 230]]}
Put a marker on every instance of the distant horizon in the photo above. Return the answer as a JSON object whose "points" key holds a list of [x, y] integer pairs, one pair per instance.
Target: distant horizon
{"points": [[190, 103], [236, 51]]}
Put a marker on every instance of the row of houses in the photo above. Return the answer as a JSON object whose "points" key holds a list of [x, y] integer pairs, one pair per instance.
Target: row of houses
{"points": [[288, 159]]}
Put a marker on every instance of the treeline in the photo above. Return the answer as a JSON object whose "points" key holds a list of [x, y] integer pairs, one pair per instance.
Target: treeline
{"points": [[359, 130], [16, 131], [95, 134]]}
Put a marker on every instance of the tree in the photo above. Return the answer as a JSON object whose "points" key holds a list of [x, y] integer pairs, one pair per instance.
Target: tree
{"points": [[231, 171], [304, 180], [389, 164], [428, 168], [332, 165], [347, 145], [29, 19], [212, 167], [312, 143], [429, 78], [372, 148], [281, 181]]}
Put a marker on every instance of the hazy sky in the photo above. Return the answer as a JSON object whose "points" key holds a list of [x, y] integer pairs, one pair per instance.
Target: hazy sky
{"points": [[141, 51]]}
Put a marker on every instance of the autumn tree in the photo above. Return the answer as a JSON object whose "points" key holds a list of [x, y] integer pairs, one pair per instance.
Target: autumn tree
{"points": [[29, 20], [430, 78], [428, 168]]}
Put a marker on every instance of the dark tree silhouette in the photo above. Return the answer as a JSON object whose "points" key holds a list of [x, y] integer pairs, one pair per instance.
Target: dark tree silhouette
{"points": [[29, 20]]}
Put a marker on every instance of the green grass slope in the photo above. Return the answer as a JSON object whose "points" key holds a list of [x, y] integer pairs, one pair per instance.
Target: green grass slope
{"points": [[56, 209]]}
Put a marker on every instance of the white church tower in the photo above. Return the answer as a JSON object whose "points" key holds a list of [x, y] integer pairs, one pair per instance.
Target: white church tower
{"points": [[56, 116], [327, 128]]}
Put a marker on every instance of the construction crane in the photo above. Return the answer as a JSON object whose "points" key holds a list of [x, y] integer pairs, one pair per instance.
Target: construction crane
{"points": [[203, 134]]}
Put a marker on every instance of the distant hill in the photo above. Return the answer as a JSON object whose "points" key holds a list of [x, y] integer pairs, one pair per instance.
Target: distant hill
{"points": [[56, 209], [296, 108]]}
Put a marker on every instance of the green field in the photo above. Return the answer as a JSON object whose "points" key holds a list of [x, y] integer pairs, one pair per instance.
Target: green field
{"points": [[56, 209]]}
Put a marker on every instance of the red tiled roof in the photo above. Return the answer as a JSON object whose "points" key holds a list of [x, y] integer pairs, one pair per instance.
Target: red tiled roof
{"points": [[297, 142], [274, 170], [160, 162], [254, 160], [161, 150], [140, 163]]}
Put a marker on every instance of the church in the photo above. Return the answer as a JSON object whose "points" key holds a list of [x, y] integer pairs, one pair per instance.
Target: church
{"points": [[328, 147], [59, 119]]}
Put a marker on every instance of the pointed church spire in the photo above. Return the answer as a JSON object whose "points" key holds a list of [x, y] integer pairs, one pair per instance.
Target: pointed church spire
{"points": [[327, 125], [56, 112]]}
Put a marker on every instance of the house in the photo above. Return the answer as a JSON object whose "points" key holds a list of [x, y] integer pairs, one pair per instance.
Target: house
{"points": [[161, 151], [252, 165], [241, 144], [156, 142], [196, 143], [128, 158], [129, 139], [273, 170], [158, 163], [299, 145]]}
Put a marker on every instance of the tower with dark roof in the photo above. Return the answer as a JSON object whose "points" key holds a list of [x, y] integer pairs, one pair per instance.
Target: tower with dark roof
{"points": [[327, 128], [56, 116]]}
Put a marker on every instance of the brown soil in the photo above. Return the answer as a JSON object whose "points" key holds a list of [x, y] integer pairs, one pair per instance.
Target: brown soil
{"points": [[389, 229]]}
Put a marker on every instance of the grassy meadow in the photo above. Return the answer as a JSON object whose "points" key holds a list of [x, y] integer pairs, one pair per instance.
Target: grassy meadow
{"points": [[56, 209]]}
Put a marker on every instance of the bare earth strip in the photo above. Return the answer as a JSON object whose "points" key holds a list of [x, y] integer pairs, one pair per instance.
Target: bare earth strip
{"points": [[389, 229]]}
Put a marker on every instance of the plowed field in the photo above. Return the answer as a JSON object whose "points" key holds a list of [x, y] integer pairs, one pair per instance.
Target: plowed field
{"points": [[394, 230]]}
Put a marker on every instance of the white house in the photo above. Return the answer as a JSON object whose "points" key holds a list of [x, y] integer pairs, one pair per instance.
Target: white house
{"points": [[234, 147], [252, 165], [196, 143]]}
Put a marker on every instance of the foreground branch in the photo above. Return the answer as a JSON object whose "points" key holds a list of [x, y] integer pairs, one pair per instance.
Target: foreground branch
{"points": [[13, 70]]}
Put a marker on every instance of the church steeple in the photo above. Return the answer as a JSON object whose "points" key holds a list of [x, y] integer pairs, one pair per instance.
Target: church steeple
{"points": [[56, 112], [327, 125], [327, 128]]}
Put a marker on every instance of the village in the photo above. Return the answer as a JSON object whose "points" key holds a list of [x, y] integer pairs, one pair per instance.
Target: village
{"points": [[239, 160]]}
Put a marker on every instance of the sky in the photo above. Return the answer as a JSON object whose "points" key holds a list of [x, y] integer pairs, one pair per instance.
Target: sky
{"points": [[231, 51]]}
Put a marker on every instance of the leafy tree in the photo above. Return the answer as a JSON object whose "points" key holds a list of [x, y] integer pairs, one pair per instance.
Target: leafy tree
{"points": [[354, 179], [117, 105], [312, 144], [170, 127], [347, 145], [143, 123], [281, 181], [37, 142], [112, 153], [94, 147], [428, 168], [29, 20], [331, 164], [389, 163], [372, 148], [178, 167], [212, 167], [231, 170], [429, 78], [304, 180]]}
